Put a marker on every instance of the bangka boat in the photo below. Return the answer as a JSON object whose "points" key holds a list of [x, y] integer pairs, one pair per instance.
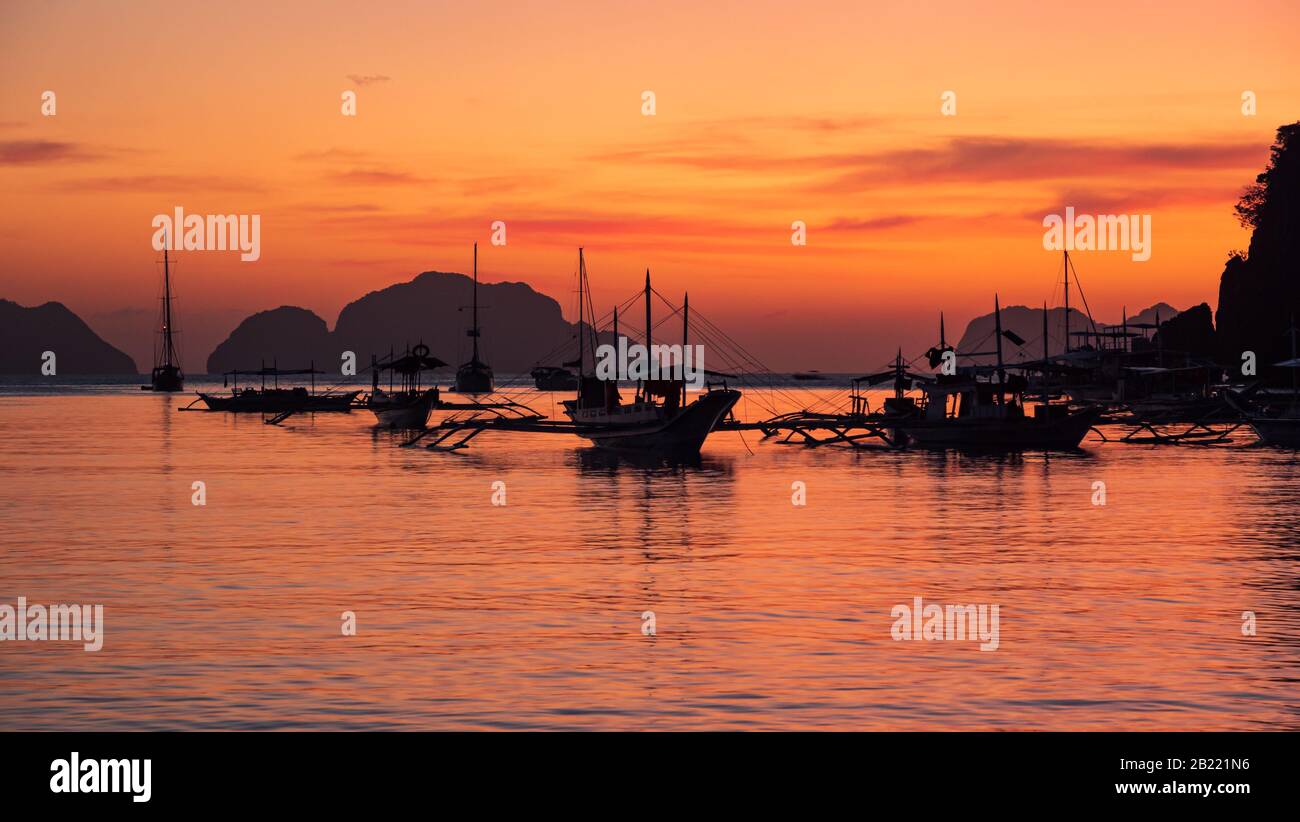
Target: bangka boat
{"points": [[277, 400], [166, 374], [475, 376], [960, 410], [661, 417], [1273, 415], [407, 405]]}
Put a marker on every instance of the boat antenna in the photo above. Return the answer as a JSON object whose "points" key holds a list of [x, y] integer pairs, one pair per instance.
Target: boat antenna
{"points": [[943, 341], [1126, 329]]}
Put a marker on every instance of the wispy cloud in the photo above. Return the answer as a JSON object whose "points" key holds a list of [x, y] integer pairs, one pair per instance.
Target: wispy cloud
{"points": [[162, 183], [368, 79], [43, 152]]}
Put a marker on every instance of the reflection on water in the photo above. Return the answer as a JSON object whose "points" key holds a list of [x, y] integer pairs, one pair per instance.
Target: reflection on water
{"points": [[529, 614]]}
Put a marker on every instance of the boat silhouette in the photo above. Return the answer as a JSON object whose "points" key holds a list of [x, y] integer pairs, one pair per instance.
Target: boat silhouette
{"points": [[475, 376], [166, 374]]}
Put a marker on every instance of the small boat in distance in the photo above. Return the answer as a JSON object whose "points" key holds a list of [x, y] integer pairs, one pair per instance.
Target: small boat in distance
{"points": [[407, 406], [659, 418], [554, 378], [277, 400], [167, 374], [474, 377]]}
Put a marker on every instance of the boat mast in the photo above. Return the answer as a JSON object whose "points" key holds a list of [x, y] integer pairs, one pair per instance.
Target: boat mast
{"points": [[474, 331], [167, 312], [1045, 355], [1067, 301], [581, 357], [686, 324], [1126, 329], [997, 329], [647, 330]]}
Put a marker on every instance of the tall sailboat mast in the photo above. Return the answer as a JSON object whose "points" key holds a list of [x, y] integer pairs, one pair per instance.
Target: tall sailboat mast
{"points": [[168, 348], [686, 327], [581, 336], [474, 330], [1067, 301]]}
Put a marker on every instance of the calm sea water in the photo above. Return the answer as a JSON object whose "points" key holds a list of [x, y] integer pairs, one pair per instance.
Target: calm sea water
{"points": [[529, 615]]}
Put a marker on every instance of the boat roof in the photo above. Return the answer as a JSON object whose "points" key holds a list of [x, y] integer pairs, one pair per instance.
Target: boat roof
{"points": [[267, 372]]}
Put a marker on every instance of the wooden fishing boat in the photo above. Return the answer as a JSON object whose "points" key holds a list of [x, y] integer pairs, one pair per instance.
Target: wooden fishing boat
{"points": [[274, 399], [661, 417], [1274, 415], [406, 405], [963, 411]]}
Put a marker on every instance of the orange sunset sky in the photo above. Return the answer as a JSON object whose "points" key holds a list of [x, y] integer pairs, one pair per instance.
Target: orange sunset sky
{"points": [[530, 113]]}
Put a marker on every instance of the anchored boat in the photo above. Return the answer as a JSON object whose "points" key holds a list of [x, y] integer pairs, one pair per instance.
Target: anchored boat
{"points": [[475, 376], [554, 378], [960, 410], [167, 374], [660, 417], [407, 405], [1274, 415], [277, 400]]}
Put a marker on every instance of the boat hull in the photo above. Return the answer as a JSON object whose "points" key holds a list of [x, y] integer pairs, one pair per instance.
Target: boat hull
{"points": [[474, 378], [165, 378], [403, 412], [279, 401], [1282, 432], [1024, 433], [684, 433]]}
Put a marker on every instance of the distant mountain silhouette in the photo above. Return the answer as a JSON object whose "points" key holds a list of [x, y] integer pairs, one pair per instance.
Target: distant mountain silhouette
{"points": [[1259, 291], [1028, 324], [288, 337], [26, 333], [519, 327]]}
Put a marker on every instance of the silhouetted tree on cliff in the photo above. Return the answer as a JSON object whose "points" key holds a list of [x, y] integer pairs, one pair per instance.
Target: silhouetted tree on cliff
{"points": [[1259, 291]]}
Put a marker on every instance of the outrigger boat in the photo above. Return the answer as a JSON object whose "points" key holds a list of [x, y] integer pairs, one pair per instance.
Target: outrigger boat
{"points": [[660, 417], [277, 400], [960, 410], [409, 405], [1274, 415], [167, 374], [475, 376]]}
